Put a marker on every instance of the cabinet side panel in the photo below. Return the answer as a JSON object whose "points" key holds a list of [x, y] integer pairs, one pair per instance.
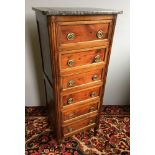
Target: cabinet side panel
{"points": [[56, 76], [50, 103], [44, 45]]}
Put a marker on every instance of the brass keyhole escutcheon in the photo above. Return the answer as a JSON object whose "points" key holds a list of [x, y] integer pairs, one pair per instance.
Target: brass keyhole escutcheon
{"points": [[94, 78], [70, 36], [70, 129], [92, 109], [91, 121], [100, 34], [70, 101], [97, 59], [70, 83], [93, 94], [70, 63]]}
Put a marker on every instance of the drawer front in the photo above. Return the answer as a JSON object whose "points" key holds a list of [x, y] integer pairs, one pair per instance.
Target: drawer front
{"points": [[80, 79], [70, 60], [77, 125], [82, 31], [81, 96], [76, 111]]}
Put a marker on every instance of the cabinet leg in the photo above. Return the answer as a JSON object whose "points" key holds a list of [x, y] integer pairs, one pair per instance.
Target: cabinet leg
{"points": [[95, 130]]}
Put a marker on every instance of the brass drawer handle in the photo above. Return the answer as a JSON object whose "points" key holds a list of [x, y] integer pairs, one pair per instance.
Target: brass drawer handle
{"points": [[97, 59], [70, 83], [70, 63], [92, 109], [70, 101], [70, 36], [100, 34], [71, 115], [93, 94], [94, 78], [70, 129], [91, 122]]}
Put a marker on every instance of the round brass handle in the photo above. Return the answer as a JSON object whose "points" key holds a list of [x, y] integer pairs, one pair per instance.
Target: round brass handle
{"points": [[70, 83], [94, 78], [70, 36], [70, 63], [92, 109], [100, 34], [70, 129], [97, 59], [70, 101], [93, 94], [71, 115]]}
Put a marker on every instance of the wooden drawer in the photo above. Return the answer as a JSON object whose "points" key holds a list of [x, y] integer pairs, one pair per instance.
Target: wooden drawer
{"points": [[78, 125], [74, 112], [83, 31], [75, 80], [77, 59], [80, 96]]}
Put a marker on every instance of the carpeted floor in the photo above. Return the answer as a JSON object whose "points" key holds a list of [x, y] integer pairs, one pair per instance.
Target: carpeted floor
{"points": [[113, 136]]}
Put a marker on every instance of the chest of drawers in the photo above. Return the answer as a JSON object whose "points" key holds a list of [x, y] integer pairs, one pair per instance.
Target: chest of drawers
{"points": [[75, 48]]}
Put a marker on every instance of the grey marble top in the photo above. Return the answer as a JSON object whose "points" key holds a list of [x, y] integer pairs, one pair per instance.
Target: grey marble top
{"points": [[75, 11]]}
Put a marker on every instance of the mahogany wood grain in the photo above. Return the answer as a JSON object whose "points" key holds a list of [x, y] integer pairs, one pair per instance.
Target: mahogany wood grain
{"points": [[81, 103], [56, 80], [83, 31], [82, 58], [83, 78], [85, 128], [83, 18], [81, 95], [82, 45], [79, 110], [71, 127], [80, 69]]}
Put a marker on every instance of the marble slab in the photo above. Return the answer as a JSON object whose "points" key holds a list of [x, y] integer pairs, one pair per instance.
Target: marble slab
{"points": [[75, 11]]}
